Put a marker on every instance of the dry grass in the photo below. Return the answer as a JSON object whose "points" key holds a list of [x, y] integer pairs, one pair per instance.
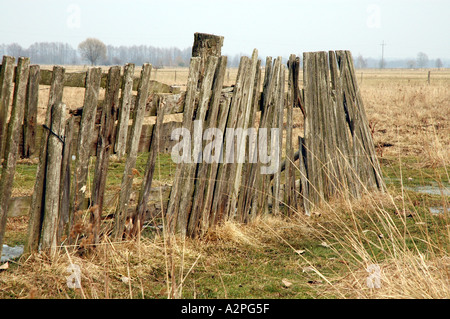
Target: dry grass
{"points": [[323, 256]]}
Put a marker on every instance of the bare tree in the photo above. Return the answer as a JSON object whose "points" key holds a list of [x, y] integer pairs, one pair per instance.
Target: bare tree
{"points": [[422, 60], [15, 50], [439, 63], [92, 50], [361, 63], [411, 64]]}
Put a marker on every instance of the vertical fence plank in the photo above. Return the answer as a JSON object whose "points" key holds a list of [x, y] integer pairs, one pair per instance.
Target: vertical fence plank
{"points": [[215, 114], [35, 223], [214, 177], [132, 150], [375, 178], [85, 136], [6, 87], [105, 144], [289, 188], [259, 201], [12, 141], [242, 145], [249, 187], [194, 196], [344, 160], [124, 109], [144, 194], [173, 209], [223, 191], [188, 187], [53, 178], [30, 117], [278, 123], [64, 200]]}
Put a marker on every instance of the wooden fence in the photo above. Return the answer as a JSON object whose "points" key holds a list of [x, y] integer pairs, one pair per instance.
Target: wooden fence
{"points": [[335, 156]]}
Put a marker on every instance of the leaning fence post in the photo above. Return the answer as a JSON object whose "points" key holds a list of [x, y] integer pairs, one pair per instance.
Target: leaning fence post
{"points": [[53, 177], [64, 201], [30, 117], [7, 85], [12, 141], [144, 194], [132, 151], [85, 136], [105, 144], [124, 110], [35, 222]]}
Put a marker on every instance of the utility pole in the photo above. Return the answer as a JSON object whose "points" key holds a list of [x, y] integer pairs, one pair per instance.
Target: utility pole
{"points": [[382, 54]]}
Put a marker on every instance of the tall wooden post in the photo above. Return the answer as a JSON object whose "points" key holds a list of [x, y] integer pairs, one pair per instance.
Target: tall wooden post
{"points": [[53, 178], [206, 45], [6, 86], [36, 209], [30, 117], [12, 141]]}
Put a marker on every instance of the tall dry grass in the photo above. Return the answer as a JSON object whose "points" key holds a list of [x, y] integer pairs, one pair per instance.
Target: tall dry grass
{"points": [[411, 115]]}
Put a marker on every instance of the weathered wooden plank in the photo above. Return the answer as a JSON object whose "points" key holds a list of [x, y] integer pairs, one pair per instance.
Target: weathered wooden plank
{"points": [[189, 184], [373, 167], [36, 208], [175, 195], [204, 46], [278, 123], [304, 180], [132, 151], [215, 114], [12, 141], [313, 142], [144, 194], [84, 141], [214, 178], [325, 124], [242, 145], [259, 202], [6, 87], [248, 175], [344, 160], [105, 144], [53, 178], [256, 180], [30, 117], [360, 169], [77, 79], [210, 90], [64, 201], [222, 192], [289, 189], [124, 109]]}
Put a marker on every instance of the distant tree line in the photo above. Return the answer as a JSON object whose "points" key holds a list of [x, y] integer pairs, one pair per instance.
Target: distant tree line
{"points": [[421, 61], [64, 53], [43, 52]]}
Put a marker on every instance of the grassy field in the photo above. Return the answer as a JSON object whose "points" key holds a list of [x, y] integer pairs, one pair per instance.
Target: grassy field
{"points": [[404, 231]]}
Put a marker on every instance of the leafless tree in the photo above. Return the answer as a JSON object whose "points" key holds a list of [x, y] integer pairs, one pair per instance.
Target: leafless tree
{"points": [[15, 50], [422, 60], [92, 50], [439, 63], [361, 63]]}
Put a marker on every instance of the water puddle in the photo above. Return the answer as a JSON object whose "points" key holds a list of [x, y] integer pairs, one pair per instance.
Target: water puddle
{"points": [[433, 189], [436, 210], [9, 253]]}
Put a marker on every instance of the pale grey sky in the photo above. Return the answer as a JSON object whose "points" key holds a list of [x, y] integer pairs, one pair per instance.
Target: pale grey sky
{"points": [[273, 27]]}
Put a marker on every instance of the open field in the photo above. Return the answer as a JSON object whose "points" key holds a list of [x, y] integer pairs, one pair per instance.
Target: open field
{"points": [[404, 231]]}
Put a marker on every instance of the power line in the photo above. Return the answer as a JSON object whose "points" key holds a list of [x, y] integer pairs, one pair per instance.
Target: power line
{"points": [[382, 54]]}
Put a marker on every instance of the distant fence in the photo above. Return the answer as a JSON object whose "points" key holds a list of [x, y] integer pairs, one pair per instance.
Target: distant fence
{"points": [[335, 157]]}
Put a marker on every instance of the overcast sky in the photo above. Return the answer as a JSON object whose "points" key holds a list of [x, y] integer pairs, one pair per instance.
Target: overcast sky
{"points": [[273, 27]]}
